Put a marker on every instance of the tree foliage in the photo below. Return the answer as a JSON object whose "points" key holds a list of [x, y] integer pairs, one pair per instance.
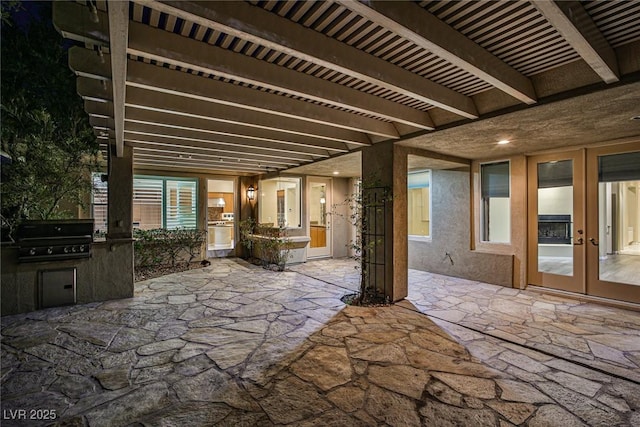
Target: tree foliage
{"points": [[45, 131]]}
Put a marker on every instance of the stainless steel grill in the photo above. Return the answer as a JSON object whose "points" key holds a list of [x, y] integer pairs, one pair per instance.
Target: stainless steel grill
{"points": [[54, 240]]}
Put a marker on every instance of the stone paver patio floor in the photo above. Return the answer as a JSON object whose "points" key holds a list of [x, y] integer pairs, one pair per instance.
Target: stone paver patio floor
{"points": [[234, 344], [598, 336]]}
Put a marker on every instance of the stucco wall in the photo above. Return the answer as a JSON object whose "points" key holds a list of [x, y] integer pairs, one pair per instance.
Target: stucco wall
{"points": [[108, 274], [451, 235]]}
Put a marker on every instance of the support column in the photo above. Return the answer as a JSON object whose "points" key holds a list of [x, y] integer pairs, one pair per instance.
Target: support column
{"points": [[112, 273], [248, 208], [384, 169], [120, 208]]}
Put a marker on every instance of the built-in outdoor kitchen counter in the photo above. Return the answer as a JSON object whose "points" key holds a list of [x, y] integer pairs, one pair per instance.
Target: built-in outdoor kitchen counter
{"points": [[27, 286]]}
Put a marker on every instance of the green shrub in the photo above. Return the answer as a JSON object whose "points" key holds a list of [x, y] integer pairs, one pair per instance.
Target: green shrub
{"points": [[247, 229], [167, 247], [274, 248], [270, 244]]}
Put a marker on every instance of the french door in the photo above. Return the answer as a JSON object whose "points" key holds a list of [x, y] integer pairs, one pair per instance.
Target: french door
{"points": [[319, 197], [584, 221], [613, 194], [556, 221]]}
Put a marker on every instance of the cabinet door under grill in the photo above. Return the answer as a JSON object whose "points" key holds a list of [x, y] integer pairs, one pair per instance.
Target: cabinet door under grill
{"points": [[57, 287]]}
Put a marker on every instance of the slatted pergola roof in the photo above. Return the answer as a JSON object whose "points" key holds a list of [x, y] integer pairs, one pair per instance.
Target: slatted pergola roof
{"points": [[248, 87]]}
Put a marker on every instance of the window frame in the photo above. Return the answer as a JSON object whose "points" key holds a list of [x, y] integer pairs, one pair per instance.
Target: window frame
{"points": [[98, 185], [164, 180], [481, 203], [299, 183], [418, 237]]}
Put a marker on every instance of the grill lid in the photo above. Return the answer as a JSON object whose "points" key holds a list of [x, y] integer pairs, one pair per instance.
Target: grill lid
{"points": [[55, 230], [54, 240]]}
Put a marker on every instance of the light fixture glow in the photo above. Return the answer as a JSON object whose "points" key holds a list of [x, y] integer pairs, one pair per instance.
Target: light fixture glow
{"points": [[323, 200], [336, 173], [503, 142], [251, 192]]}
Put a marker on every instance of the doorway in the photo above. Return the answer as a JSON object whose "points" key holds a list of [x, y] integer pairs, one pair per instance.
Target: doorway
{"points": [[319, 197], [220, 217], [584, 221]]}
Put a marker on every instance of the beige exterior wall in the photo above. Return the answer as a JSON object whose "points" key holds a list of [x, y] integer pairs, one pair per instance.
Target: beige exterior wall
{"points": [[449, 250], [518, 211]]}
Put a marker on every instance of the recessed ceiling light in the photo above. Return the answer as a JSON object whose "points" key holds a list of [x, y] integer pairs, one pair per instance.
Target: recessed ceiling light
{"points": [[503, 142], [336, 173]]}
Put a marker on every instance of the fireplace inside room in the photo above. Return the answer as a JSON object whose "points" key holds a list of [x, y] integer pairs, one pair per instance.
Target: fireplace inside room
{"points": [[554, 229]]}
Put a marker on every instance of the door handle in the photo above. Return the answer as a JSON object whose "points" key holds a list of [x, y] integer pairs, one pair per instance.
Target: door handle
{"points": [[594, 242], [579, 241]]}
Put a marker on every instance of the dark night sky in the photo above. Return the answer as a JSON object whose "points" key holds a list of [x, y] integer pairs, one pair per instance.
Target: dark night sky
{"points": [[30, 11]]}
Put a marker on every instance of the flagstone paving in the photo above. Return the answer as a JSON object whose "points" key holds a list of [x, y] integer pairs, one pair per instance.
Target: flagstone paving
{"points": [[602, 337], [234, 344]]}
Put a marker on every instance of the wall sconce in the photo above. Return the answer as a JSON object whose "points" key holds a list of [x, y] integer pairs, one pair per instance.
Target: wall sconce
{"points": [[323, 200], [251, 192]]}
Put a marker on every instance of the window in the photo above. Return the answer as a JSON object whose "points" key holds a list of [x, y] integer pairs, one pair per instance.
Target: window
{"points": [[181, 204], [419, 204], [99, 204], [164, 203], [147, 203], [158, 202], [495, 212], [279, 202]]}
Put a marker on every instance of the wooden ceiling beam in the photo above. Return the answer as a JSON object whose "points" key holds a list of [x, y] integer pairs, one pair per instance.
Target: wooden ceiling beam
{"points": [[118, 38], [420, 27], [233, 157], [165, 80], [267, 29], [173, 124], [180, 105], [220, 129], [334, 138], [86, 63], [73, 21], [272, 149], [166, 164], [164, 160], [166, 47], [213, 146], [573, 22], [170, 48]]}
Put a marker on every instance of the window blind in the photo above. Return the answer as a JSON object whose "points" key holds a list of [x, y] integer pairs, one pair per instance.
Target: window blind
{"points": [[619, 167], [99, 202], [494, 179], [181, 203], [147, 203]]}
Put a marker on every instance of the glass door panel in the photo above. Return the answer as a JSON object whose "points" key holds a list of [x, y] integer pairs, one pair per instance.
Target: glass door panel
{"points": [[555, 217], [319, 219], [619, 245], [613, 266], [556, 226], [221, 224]]}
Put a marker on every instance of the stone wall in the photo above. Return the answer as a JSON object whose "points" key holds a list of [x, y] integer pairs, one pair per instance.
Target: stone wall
{"points": [[108, 274]]}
